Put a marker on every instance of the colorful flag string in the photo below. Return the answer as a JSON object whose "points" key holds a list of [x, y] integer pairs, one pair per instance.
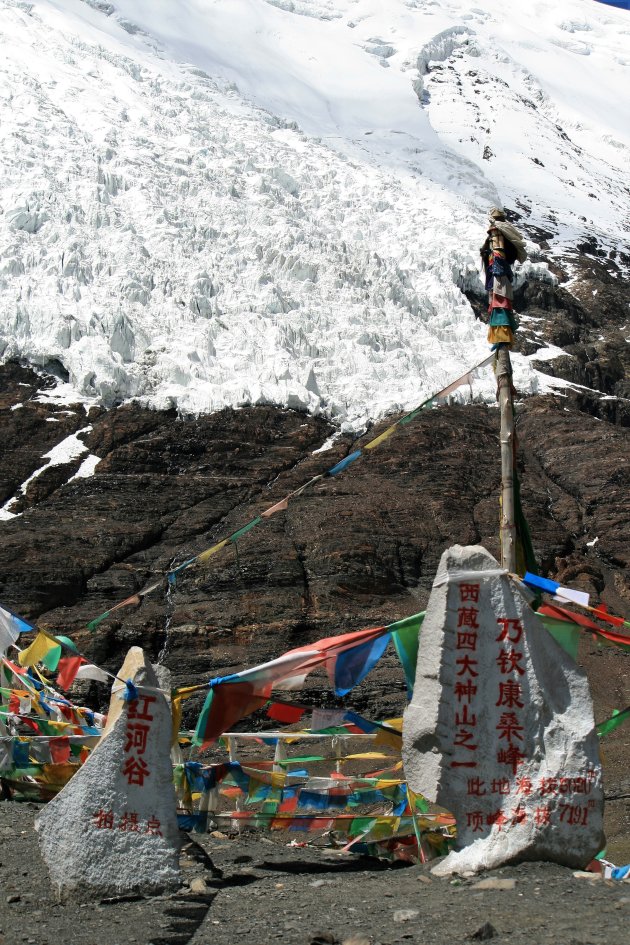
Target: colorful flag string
{"points": [[171, 576]]}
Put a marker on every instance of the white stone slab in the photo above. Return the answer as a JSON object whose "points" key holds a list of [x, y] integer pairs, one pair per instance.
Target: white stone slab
{"points": [[500, 730], [113, 827]]}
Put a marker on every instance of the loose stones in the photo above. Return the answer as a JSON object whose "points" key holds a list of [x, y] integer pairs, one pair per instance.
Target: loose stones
{"points": [[500, 730]]}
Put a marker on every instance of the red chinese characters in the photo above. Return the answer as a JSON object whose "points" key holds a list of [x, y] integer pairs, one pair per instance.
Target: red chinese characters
{"points": [[465, 742], [139, 719], [128, 822], [509, 727]]}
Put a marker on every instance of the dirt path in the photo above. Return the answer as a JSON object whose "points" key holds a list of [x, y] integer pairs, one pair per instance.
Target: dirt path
{"points": [[259, 891]]}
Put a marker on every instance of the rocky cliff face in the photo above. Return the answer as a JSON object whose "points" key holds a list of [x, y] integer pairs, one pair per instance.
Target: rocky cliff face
{"points": [[354, 551]]}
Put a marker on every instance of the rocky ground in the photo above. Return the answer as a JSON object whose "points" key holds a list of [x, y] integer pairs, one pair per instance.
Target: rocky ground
{"points": [[255, 890]]}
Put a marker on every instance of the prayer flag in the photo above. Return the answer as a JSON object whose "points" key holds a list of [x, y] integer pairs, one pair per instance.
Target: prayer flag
{"points": [[353, 665], [286, 714], [567, 635], [38, 649], [68, 669], [246, 528], [382, 437], [616, 719], [278, 507], [406, 635], [567, 594], [203, 557], [342, 464], [228, 704], [10, 629], [60, 750], [90, 671], [51, 660]]}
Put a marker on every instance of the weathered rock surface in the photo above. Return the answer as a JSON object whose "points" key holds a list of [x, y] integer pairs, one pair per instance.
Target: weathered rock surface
{"points": [[113, 828], [500, 730]]}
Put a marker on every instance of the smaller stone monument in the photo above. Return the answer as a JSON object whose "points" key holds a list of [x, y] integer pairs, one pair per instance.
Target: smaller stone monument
{"points": [[113, 827], [500, 730]]}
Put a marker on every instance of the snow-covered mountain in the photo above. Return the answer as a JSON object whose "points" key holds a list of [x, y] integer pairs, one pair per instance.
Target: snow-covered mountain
{"points": [[220, 202]]}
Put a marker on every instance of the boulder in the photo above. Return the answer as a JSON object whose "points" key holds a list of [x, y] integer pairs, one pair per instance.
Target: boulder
{"points": [[113, 828], [500, 730]]}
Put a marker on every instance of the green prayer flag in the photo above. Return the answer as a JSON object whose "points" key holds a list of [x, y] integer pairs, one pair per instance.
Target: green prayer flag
{"points": [[567, 635], [406, 635], [246, 528], [93, 624], [51, 660], [617, 718], [202, 721]]}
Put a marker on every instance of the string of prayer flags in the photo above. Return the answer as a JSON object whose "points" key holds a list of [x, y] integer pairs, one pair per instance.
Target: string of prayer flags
{"points": [[580, 598], [235, 696], [128, 602], [348, 659], [203, 556], [586, 623]]}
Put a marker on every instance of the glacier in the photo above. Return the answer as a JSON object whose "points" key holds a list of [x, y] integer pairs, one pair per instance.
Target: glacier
{"points": [[227, 202]]}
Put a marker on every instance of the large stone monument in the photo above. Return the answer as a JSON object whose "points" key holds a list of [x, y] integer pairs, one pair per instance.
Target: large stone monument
{"points": [[500, 730], [113, 827]]}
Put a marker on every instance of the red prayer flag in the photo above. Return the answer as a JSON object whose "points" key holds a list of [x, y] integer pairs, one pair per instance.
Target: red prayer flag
{"points": [[20, 670], [231, 702], [560, 613], [601, 613], [68, 669], [60, 750], [284, 713], [550, 610], [289, 805]]}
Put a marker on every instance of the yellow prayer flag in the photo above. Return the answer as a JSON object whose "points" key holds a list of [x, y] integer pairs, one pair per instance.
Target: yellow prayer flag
{"points": [[176, 710], [379, 439], [204, 555], [393, 739], [35, 653], [396, 723], [365, 755], [179, 695]]}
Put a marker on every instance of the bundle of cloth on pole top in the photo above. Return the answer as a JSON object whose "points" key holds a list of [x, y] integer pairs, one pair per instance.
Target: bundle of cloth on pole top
{"points": [[502, 248]]}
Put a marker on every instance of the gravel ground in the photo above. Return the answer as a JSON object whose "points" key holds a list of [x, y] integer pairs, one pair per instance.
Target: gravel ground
{"points": [[254, 890]]}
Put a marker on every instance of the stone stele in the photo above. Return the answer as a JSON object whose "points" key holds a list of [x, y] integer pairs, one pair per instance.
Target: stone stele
{"points": [[113, 827], [500, 730]]}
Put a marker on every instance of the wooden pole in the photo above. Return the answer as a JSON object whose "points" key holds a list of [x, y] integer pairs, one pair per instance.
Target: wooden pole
{"points": [[506, 408]]}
